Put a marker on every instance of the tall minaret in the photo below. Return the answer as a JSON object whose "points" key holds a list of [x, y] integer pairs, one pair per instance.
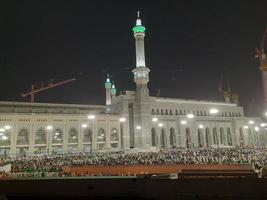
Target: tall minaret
{"points": [[141, 76], [113, 90], [142, 118], [108, 91]]}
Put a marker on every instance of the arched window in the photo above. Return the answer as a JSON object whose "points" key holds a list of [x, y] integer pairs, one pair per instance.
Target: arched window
{"points": [[87, 135], [5, 141], [229, 137], [208, 139], [23, 137], [153, 112], [154, 137], [57, 136], [170, 112], [188, 141], [200, 137], [241, 137], [166, 112], [157, 112], [40, 136], [172, 137], [215, 136], [163, 138], [222, 136], [114, 137], [101, 136], [162, 112], [73, 136]]}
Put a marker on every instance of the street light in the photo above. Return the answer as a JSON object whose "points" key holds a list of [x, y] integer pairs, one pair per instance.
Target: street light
{"points": [[91, 116], [2, 129], [200, 126], [256, 128], [84, 125], [213, 111], [122, 119], [251, 122], [138, 127], [245, 127], [190, 116], [154, 119], [160, 124], [263, 124], [183, 122], [7, 127]]}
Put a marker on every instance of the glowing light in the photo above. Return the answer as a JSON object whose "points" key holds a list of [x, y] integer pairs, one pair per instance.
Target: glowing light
{"points": [[214, 111], [160, 124], [1, 134], [91, 117], [251, 122], [183, 122], [265, 113], [122, 119], [7, 127], [154, 119], [190, 116], [200, 126], [263, 124], [245, 127], [84, 125], [4, 137], [49, 127], [2, 129], [139, 29], [256, 128], [138, 127]]}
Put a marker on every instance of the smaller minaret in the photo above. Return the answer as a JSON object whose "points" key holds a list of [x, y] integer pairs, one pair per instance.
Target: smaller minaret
{"points": [[113, 90], [108, 91]]}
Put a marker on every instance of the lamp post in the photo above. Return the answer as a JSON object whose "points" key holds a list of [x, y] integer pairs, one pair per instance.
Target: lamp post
{"points": [[92, 117], [49, 129]]}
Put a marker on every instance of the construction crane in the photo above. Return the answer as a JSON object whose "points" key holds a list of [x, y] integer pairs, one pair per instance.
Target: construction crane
{"points": [[263, 64], [36, 88]]}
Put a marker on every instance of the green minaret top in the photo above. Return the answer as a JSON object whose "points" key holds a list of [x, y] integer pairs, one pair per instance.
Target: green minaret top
{"points": [[139, 28], [113, 89], [108, 83]]}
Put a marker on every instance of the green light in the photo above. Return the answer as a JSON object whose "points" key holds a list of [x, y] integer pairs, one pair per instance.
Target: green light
{"points": [[139, 29], [108, 85]]}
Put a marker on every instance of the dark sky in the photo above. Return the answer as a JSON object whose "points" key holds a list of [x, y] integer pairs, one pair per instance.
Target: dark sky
{"points": [[189, 44]]}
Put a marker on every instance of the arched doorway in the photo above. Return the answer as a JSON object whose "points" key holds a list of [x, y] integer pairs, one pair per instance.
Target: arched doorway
{"points": [[154, 138], [200, 137], [208, 139], [163, 138], [172, 137], [222, 137], [229, 137], [188, 141], [241, 137], [215, 136]]}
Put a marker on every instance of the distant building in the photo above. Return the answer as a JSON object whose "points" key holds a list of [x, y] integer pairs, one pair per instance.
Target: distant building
{"points": [[133, 120]]}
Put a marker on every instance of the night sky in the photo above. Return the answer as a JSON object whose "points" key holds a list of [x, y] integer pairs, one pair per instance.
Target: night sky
{"points": [[189, 44]]}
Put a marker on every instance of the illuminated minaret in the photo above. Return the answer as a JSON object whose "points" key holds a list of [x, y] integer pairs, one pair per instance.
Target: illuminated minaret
{"points": [[108, 91], [141, 76], [113, 90], [141, 134]]}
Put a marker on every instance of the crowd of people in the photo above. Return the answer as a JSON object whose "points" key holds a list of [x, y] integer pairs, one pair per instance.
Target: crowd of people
{"points": [[54, 163]]}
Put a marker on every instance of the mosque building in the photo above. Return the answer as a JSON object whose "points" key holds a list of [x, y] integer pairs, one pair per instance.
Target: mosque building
{"points": [[132, 121]]}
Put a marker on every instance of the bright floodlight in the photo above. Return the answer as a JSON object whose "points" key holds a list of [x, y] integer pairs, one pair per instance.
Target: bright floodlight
{"points": [[251, 122], [122, 119], [7, 127], [49, 127], [4, 137], [154, 119], [1, 134], [190, 116], [91, 117], [160, 124], [214, 111], [245, 127], [200, 126], [263, 124], [183, 122], [138, 127], [2, 129], [256, 128], [84, 125]]}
